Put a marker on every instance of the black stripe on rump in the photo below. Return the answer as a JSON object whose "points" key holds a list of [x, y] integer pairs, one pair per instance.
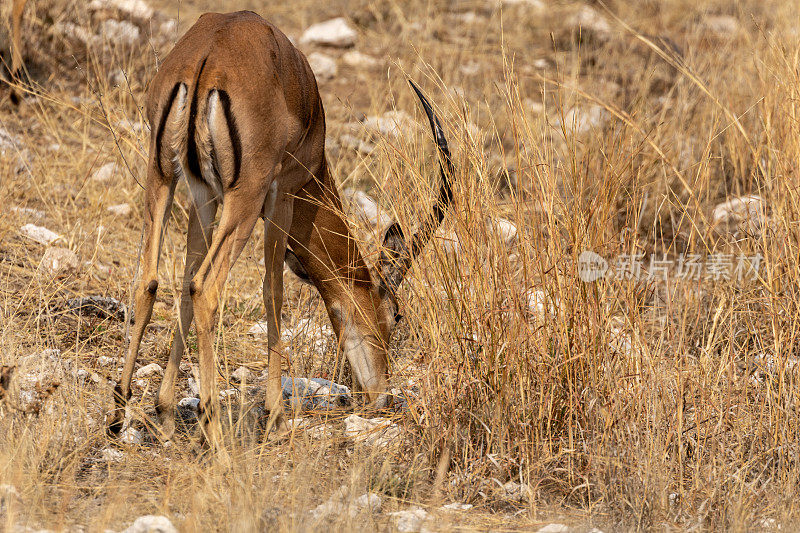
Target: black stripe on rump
{"points": [[193, 160], [162, 124], [233, 131]]}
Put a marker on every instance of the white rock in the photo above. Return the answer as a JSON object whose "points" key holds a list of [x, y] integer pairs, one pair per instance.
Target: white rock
{"points": [[356, 59], [105, 173], [391, 124], [369, 501], [448, 241], [367, 208], [59, 261], [259, 329], [588, 19], [533, 4], [194, 386], [39, 234], [457, 506], [743, 212], [120, 210], [335, 32], [111, 455], [151, 524], [134, 8], [516, 491], [470, 68], [131, 436], [9, 142], [120, 32], [105, 360], [378, 432], [28, 211], [356, 143], [241, 375], [721, 25], [8, 496], [553, 528], [148, 371], [583, 120], [504, 229], [324, 66], [409, 520], [226, 394], [72, 31], [189, 403]]}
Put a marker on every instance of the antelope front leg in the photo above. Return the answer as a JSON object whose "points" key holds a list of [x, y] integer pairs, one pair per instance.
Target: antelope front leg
{"points": [[277, 222], [157, 204]]}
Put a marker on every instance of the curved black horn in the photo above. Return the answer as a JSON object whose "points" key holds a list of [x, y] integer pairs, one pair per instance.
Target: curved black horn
{"points": [[396, 257]]}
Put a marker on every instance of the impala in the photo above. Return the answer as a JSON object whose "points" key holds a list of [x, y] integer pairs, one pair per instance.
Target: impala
{"points": [[235, 111]]}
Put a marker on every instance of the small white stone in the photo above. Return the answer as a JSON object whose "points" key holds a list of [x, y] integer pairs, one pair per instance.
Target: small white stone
{"points": [[324, 66], [111, 455], [553, 528], [335, 32], [120, 210], [60, 261], [409, 520], [516, 491], [131, 436], [133, 8], [746, 211], [470, 68], [357, 144], [504, 229], [148, 371], [151, 524], [39, 234], [189, 403], [379, 432], [723, 26], [105, 360], [589, 19], [367, 208], [457, 506], [371, 502], [105, 173], [226, 394], [259, 329], [356, 59], [533, 4], [242, 374], [28, 211], [582, 120], [391, 124], [120, 32]]}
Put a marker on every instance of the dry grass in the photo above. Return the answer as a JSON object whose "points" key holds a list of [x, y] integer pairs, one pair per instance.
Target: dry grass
{"points": [[627, 404]]}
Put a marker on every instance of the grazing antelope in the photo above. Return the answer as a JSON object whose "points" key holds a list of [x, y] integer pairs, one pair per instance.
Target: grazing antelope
{"points": [[235, 111], [16, 44]]}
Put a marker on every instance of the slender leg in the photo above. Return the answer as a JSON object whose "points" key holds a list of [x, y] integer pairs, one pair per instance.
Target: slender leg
{"points": [[201, 216], [277, 222], [158, 199], [240, 211], [16, 46], [330, 256]]}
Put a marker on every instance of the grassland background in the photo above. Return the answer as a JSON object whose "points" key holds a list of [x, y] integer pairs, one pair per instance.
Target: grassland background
{"points": [[623, 404]]}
